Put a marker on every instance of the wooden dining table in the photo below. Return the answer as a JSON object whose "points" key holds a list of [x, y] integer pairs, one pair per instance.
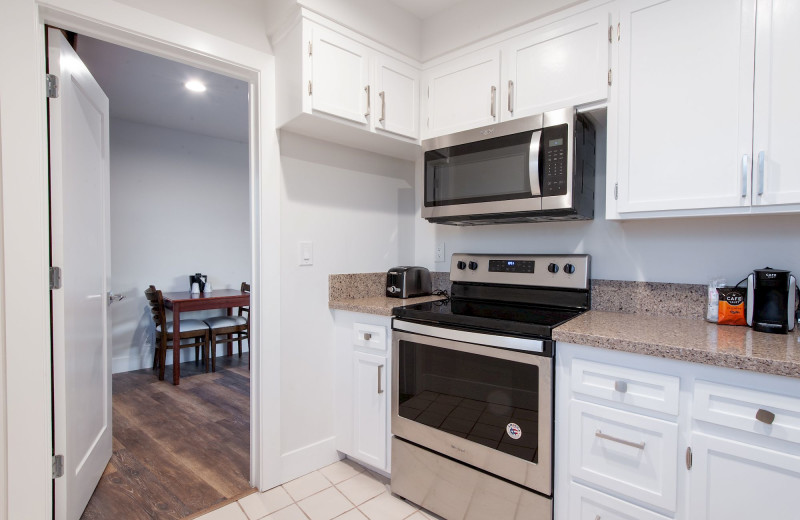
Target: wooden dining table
{"points": [[180, 302]]}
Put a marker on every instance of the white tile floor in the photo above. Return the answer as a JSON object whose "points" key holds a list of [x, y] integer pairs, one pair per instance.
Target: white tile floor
{"points": [[344, 491]]}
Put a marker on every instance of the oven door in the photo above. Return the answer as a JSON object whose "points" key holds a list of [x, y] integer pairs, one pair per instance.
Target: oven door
{"points": [[486, 406]]}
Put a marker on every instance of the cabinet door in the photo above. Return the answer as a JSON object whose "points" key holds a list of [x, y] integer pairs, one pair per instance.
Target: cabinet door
{"points": [[369, 408], [685, 104], [777, 108], [339, 76], [732, 480], [462, 94], [559, 65], [396, 98]]}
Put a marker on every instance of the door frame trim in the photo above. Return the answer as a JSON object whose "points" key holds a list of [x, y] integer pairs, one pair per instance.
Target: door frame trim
{"points": [[30, 491]]}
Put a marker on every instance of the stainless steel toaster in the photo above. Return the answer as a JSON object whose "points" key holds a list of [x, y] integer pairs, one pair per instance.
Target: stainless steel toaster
{"points": [[408, 281]]}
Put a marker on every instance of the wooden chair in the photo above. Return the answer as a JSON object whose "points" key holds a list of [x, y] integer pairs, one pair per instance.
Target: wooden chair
{"points": [[195, 330], [227, 329]]}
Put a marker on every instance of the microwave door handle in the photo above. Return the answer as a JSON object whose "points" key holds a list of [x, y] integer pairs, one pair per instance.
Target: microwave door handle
{"points": [[534, 172]]}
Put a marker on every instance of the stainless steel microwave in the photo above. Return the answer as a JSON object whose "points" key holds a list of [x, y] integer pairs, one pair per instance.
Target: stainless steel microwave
{"points": [[537, 168]]}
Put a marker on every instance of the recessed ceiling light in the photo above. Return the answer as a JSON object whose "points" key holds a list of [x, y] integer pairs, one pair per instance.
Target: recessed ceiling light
{"points": [[195, 85]]}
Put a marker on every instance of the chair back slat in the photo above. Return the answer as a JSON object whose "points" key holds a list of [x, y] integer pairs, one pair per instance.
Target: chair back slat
{"points": [[157, 311], [245, 288]]}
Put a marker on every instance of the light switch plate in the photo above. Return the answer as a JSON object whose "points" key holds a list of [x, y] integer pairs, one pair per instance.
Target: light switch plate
{"points": [[305, 253]]}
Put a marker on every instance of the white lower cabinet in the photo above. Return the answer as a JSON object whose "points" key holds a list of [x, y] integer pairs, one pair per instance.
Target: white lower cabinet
{"points": [[363, 389], [707, 443], [734, 480]]}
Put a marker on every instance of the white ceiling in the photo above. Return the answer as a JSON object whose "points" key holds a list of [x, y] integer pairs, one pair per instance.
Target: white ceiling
{"points": [[148, 89], [423, 9]]}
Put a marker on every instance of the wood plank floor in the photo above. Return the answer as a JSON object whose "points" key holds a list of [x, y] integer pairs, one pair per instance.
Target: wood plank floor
{"points": [[177, 449]]}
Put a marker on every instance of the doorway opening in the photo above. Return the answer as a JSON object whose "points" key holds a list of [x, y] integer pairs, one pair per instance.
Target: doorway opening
{"points": [[180, 202]]}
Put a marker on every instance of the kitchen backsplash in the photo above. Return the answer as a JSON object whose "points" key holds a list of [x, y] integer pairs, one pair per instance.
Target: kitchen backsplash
{"points": [[649, 298]]}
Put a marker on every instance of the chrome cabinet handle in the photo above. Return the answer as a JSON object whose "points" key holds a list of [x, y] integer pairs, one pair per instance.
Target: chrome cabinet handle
{"points": [[380, 385], [638, 445], [366, 114], [761, 173], [765, 416], [493, 111], [621, 386], [383, 106], [511, 96], [367, 336], [744, 175]]}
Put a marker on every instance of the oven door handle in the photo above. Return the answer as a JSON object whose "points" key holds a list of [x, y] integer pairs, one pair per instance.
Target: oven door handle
{"points": [[534, 172], [523, 344]]}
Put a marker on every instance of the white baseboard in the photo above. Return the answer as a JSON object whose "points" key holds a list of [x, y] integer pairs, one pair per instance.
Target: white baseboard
{"points": [[309, 458], [145, 360]]}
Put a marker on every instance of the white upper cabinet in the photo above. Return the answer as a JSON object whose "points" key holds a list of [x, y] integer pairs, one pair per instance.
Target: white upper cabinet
{"points": [[463, 93], [777, 108], [339, 76], [562, 64], [685, 104], [396, 105]]}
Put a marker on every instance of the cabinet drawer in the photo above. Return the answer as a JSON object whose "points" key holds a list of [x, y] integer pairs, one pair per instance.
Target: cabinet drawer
{"points": [[748, 410], [588, 504], [369, 336], [646, 390], [631, 454]]}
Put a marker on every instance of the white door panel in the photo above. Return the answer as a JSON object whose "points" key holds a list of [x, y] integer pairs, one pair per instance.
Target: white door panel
{"points": [[776, 177], [340, 76], [396, 103], [560, 65], [79, 174], [685, 107]]}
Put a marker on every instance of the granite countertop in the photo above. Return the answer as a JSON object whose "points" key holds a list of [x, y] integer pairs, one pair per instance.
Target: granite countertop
{"points": [[686, 339], [380, 305]]}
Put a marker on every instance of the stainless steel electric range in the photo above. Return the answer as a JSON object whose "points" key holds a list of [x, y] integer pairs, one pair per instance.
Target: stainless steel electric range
{"points": [[472, 386]]}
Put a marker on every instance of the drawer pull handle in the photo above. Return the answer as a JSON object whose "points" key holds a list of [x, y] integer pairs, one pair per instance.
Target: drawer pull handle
{"points": [[621, 386], [367, 336], [597, 517], [601, 435], [765, 416]]}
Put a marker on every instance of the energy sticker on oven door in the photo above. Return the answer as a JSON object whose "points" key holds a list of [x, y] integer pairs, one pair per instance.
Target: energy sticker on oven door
{"points": [[513, 430]]}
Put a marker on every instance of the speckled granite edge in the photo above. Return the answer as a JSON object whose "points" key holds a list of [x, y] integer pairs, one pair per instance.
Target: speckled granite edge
{"points": [[685, 339], [650, 298], [378, 305], [369, 285]]}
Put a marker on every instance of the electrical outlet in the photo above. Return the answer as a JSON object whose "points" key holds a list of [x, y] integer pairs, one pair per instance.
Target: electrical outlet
{"points": [[439, 252]]}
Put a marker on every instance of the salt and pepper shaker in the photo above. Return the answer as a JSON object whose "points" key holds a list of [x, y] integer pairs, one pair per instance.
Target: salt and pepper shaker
{"points": [[195, 288]]}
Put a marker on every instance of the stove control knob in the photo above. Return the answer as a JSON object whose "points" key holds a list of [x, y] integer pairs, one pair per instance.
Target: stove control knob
{"points": [[569, 268], [553, 268], [461, 265], [473, 265]]}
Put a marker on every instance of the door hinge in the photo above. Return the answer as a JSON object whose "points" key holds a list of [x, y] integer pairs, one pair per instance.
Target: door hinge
{"points": [[55, 278], [688, 457], [309, 88], [609, 77], [610, 33], [52, 85], [58, 466], [310, 49], [616, 190]]}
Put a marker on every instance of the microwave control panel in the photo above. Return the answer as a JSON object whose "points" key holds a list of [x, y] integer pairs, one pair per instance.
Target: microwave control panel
{"points": [[554, 156]]}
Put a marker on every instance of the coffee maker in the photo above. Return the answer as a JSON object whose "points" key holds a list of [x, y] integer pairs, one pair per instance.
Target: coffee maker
{"points": [[771, 300]]}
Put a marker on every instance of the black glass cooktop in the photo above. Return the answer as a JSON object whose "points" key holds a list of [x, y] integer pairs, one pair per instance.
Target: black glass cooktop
{"points": [[500, 317]]}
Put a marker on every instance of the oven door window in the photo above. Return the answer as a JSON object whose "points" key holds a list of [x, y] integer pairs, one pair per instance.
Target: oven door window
{"points": [[489, 170], [490, 401]]}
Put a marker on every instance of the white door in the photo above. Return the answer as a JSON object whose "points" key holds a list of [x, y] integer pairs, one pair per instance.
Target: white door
{"points": [[339, 76], [776, 179], [562, 64], [397, 97], [369, 410], [463, 93], [79, 198], [685, 104], [732, 480]]}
